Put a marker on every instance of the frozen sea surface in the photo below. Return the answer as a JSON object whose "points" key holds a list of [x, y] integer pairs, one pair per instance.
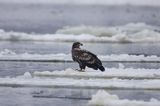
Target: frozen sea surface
{"points": [[54, 97], [31, 90], [33, 32]]}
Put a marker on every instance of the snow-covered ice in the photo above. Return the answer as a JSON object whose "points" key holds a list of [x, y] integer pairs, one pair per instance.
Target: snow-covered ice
{"points": [[132, 32], [103, 98], [11, 55], [122, 73], [113, 79], [28, 80]]}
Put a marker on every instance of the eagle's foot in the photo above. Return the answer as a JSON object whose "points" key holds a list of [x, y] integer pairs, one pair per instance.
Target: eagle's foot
{"points": [[80, 70]]}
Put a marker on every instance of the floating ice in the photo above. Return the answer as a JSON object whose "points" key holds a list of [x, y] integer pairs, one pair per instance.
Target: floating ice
{"points": [[27, 75], [138, 32], [122, 73], [103, 98], [7, 52], [131, 28], [11, 55], [149, 79]]}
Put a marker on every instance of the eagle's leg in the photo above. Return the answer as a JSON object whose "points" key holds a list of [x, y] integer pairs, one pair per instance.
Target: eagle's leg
{"points": [[82, 67]]}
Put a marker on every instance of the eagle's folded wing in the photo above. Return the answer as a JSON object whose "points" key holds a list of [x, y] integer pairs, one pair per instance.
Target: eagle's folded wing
{"points": [[85, 56]]}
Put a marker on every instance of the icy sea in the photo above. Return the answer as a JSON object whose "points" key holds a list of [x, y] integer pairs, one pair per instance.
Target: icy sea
{"points": [[36, 68]]}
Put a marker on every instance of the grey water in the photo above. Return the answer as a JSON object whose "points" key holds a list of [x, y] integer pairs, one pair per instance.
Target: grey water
{"points": [[40, 18], [48, 18]]}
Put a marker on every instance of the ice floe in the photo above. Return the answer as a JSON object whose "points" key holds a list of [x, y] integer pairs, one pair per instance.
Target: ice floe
{"points": [[122, 73], [132, 32], [61, 57], [103, 98], [31, 80]]}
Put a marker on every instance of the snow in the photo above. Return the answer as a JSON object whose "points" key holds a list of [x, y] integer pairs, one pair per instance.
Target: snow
{"points": [[26, 75], [132, 32], [103, 98], [100, 2], [7, 54], [106, 31], [31, 80], [124, 73]]}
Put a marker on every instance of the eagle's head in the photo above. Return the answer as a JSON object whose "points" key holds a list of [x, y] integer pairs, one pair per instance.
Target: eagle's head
{"points": [[76, 45]]}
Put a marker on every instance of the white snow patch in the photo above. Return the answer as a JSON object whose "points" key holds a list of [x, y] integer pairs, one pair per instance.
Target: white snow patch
{"points": [[103, 98], [91, 82], [7, 54], [27, 75], [132, 32], [121, 66], [129, 73]]}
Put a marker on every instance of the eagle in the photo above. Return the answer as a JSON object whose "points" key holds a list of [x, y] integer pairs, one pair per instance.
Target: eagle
{"points": [[85, 58]]}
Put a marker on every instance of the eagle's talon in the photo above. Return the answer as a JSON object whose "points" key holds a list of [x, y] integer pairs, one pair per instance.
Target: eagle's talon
{"points": [[80, 70]]}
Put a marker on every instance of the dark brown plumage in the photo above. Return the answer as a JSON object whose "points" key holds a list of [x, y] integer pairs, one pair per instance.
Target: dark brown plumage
{"points": [[85, 58]]}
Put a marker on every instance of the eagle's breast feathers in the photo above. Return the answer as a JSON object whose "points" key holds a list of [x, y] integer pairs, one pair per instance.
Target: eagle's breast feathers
{"points": [[84, 56]]}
